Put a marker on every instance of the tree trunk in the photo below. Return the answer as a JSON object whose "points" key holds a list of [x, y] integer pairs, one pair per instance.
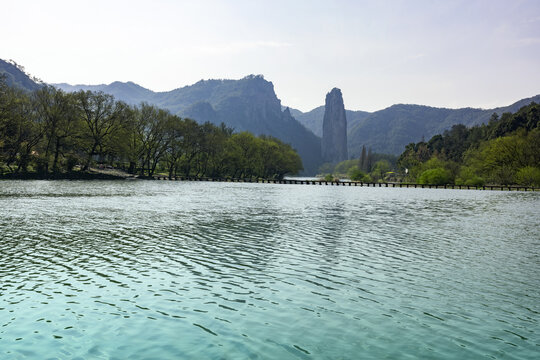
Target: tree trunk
{"points": [[56, 155], [92, 153]]}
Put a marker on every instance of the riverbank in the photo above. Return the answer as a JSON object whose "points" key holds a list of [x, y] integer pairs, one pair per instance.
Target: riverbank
{"points": [[92, 174]]}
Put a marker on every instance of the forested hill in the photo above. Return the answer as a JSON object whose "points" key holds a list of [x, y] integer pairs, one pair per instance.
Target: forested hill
{"points": [[16, 76], [391, 129], [506, 150], [249, 104]]}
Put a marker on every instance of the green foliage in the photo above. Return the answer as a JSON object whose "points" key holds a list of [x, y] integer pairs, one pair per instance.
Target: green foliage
{"points": [[380, 169], [529, 176], [367, 179], [391, 129], [379, 165], [355, 174], [329, 177], [249, 104], [468, 176], [492, 153], [344, 166], [499, 159], [50, 131], [437, 176]]}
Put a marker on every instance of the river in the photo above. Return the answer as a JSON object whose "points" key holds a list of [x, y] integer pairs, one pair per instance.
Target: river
{"points": [[204, 270]]}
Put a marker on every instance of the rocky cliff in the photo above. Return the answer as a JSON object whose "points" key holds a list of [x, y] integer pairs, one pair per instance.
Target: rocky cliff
{"points": [[334, 140], [248, 104]]}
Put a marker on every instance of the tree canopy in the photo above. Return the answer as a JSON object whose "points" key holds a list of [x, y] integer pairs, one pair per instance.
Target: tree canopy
{"points": [[50, 132], [504, 151]]}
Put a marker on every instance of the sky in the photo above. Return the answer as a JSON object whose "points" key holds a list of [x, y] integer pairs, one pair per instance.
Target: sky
{"points": [[443, 53]]}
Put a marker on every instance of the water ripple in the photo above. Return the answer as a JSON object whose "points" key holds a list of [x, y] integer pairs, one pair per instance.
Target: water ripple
{"points": [[189, 270]]}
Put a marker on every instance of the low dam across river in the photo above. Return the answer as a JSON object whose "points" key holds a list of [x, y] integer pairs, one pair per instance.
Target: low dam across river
{"points": [[356, 183]]}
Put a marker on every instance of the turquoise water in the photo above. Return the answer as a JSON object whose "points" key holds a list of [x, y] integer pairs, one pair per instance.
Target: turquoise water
{"points": [[177, 270]]}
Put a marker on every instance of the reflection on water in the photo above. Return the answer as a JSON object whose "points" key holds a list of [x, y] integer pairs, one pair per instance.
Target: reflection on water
{"points": [[227, 270]]}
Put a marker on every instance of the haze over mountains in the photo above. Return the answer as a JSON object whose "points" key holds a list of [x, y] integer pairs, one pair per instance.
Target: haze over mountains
{"points": [[390, 130], [385, 131], [250, 104], [15, 76]]}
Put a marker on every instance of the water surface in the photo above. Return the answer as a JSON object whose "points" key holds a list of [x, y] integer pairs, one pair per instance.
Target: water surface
{"points": [[169, 270]]}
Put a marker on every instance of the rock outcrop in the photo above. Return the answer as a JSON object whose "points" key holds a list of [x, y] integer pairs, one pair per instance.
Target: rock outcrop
{"points": [[334, 140]]}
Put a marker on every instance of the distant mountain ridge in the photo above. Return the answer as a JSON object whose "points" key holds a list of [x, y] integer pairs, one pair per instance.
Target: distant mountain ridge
{"points": [[16, 76], [251, 104], [248, 104], [129, 92], [391, 129]]}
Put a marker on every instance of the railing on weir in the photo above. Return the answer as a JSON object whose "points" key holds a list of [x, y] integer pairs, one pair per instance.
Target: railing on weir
{"points": [[353, 183]]}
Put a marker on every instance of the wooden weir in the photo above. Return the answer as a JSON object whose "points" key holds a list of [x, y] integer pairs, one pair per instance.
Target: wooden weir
{"points": [[353, 183]]}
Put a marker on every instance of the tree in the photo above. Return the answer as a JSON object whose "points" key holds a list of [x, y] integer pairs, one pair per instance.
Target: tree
{"points": [[174, 150], [248, 153], [216, 147], [102, 117], [380, 169], [19, 130], [369, 160], [55, 110], [528, 175], [438, 176], [363, 161], [153, 135], [52, 128], [191, 145], [355, 174]]}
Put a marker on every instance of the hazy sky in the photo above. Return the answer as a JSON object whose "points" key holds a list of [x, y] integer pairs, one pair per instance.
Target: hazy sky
{"points": [[439, 53]]}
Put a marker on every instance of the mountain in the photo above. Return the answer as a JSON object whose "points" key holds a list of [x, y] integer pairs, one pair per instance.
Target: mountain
{"points": [[129, 92], [16, 76], [391, 129], [334, 140], [313, 120], [249, 104]]}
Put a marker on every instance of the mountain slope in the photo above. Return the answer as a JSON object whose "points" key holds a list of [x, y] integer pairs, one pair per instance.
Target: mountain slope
{"points": [[391, 129], [313, 120], [15, 76], [129, 92], [249, 104]]}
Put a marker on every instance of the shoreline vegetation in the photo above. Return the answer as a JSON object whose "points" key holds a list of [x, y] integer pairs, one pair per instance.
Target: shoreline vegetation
{"points": [[50, 134], [114, 174], [503, 152]]}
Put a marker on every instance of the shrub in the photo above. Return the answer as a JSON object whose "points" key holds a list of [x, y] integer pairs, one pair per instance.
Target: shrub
{"points": [[355, 174], [475, 181], [367, 179], [528, 175], [438, 176], [467, 176]]}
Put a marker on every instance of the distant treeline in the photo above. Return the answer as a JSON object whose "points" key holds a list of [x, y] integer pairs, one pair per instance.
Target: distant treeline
{"points": [[369, 167], [504, 151], [51, 132]]}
